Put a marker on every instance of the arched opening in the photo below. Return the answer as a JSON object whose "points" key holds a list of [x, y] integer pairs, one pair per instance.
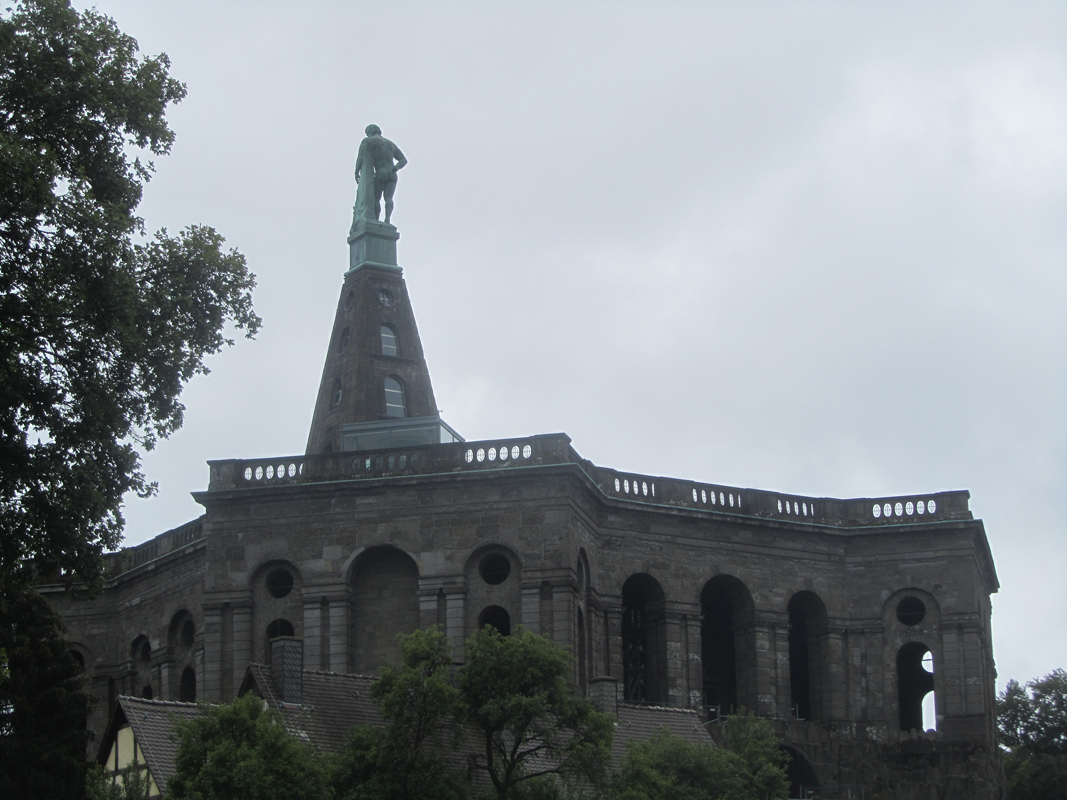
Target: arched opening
{"points": [[188, 633], [187, 686], [915, 680], [803, 782], [390, 344], [726, 606], [644, 655], [807, 629], [335, 394], [78, 657], [274, 629], [394, 399], [385, 602], [497, 618], [146, 691]]}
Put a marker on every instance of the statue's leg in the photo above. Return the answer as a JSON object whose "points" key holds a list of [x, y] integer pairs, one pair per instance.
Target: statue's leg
{"points": [[390, 187], [377, 201]]}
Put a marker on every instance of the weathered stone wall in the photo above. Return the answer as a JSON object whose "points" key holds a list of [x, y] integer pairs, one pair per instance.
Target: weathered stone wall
{"points": [[344, 562]]}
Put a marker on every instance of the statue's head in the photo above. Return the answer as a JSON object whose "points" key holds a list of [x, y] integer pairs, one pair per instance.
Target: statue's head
{"points": [[374, 130]]}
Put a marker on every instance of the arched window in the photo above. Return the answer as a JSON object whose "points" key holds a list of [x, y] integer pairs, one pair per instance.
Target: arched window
{"points": [[335, 395], [807, 643], [394, 398], [390, 344], [496, 617], [644, 655], [187, 688], [915, 680], [280, 627], [728, 657]]}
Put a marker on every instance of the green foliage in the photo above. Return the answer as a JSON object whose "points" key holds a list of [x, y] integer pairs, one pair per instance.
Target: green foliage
{"points": [[765, 762], [403, 760], [750, 767], [135, 784], [1036, 777], [42, 708], [100, 328], [514, 692], [669, 768], [1033, 726], [241, 751], [1035, 720]]}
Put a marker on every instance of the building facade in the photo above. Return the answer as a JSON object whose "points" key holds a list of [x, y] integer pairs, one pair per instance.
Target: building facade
{"points": [[833, 617]]}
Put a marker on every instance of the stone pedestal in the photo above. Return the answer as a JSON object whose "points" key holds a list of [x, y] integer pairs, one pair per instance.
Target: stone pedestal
{"points": [[372, 244]]}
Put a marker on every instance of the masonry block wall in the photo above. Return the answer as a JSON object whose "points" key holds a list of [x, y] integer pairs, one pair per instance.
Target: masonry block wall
{"points": [[682, 605]]}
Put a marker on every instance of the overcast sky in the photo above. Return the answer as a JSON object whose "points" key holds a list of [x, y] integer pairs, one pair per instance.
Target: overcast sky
{"points": [[816, 248]]}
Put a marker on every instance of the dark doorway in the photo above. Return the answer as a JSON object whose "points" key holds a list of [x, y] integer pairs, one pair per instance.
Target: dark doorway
{"points": [[913, 684], [726, 605], [807, 627], [644, 659], [187, 688]]}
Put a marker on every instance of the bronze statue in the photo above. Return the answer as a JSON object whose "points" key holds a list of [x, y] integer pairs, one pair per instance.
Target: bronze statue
{"points": [[376, 168]]}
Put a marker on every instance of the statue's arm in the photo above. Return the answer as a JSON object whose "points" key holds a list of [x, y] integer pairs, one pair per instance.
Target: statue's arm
{"points": [[359, 157], [400, 159]]}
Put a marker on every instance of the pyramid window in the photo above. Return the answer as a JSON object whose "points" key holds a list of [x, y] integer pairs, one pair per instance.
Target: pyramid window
{"points": [[390, 344], [394, 399]]}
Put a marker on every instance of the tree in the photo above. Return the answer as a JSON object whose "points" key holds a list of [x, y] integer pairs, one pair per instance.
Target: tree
{"points": [[241, 751], [1033, 727], [100, 326], [513, 691], [750, 767], [42, 708], [418, 702], [134, 783], [753, 740]]}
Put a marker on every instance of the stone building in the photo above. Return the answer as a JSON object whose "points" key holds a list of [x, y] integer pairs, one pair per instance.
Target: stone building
{"points": [[833, 617]]}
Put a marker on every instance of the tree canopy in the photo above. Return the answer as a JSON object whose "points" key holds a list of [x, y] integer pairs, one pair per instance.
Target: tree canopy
{"points": [[101, 325], [750, 767], [1032, 721], [514, 693], [405, 759], [42, 707], [242, 751]]}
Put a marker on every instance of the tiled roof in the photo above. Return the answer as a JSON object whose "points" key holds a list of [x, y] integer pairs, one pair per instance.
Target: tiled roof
{"points": [[153, 723], [641, 723], [333, 703]]}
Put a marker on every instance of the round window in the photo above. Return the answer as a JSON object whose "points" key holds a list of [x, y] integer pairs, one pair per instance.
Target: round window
{"points": [[385, 298], [911, 610], [494, 568], [280, 582]]}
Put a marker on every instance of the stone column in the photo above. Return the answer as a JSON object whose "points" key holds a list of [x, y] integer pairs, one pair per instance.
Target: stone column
{"points": [[835, 682], [694, 656], [312, 632], [456, 620], [564, 617], [530, 594], [780, 656], [340, 634], [242, 644], [761, 693], [674, 632], [210, 674]]}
